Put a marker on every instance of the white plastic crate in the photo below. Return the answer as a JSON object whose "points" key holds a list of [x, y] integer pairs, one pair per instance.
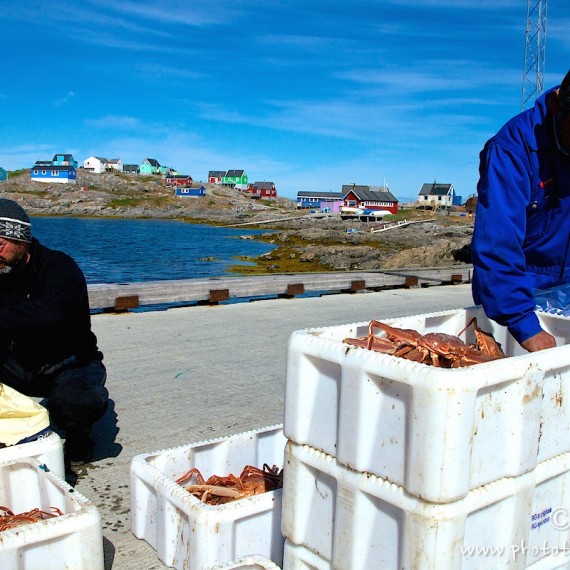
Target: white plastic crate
{"points": [[297, 557], [358, 521], [47, 450], [437, 432], [559, 561], [253, 562], [73, 541], [191, 535]]}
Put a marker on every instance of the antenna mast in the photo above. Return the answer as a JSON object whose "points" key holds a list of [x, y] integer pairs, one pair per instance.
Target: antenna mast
{"points": [[534, 53]]}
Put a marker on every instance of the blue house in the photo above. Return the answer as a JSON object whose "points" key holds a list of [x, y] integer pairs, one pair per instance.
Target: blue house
{"points": [[319, 200], [64, 160], [191, 191], [41, 172], [3, 174]]}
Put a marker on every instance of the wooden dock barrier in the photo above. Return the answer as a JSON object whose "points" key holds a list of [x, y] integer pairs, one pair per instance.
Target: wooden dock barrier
{"points": [[125, 296], [125, 303], [218, 295]]}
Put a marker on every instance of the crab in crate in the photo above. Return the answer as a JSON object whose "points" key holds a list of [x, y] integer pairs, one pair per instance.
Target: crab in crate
{"points": [[218, 490], [438, 349], [9, 519]]}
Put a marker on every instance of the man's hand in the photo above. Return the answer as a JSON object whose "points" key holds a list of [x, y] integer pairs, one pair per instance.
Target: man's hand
{"points": [[539, 341]]}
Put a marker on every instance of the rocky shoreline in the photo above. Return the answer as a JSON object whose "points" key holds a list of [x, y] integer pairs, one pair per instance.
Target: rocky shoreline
{"points": [[304, 242]]}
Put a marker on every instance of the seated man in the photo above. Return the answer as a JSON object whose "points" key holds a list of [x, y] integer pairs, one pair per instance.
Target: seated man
{"points": [[47, 348]]}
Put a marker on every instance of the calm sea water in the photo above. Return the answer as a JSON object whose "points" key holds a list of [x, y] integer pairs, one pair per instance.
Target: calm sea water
{"points": [[126, 251]]}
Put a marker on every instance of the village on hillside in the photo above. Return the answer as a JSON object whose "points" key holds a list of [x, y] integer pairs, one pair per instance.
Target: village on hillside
{"points": [[353, 201]]}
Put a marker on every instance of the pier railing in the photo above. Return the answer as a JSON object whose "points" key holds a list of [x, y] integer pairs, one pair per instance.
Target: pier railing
{"points": [[124, 296]]}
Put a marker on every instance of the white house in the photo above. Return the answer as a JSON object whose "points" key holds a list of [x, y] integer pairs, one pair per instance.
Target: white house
{"points": [[435, 196], [95, 164], [115, 164]]}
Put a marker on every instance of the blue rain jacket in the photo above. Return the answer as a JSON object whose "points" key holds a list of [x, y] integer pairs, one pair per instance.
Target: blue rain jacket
{"points": [[522, 224]]}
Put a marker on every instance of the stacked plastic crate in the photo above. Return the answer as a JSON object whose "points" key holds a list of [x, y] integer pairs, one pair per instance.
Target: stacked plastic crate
{"points": [[47, 450], [32, 478], [188, 534], [253, 562], [72, 539], [394, 464]]}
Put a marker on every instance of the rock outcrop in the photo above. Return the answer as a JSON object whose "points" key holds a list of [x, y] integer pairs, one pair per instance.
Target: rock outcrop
{"points": [[315, 241]]}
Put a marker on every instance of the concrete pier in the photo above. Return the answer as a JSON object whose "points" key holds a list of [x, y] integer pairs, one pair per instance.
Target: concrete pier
{"points": [[190, 374]]}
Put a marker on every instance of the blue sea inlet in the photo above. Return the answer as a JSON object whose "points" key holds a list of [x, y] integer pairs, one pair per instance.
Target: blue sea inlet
{"points": [[127, 251]]}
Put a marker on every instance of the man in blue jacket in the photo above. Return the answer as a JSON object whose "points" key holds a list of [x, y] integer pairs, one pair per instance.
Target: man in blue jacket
{"points": [[47, 348], [522, 226]]}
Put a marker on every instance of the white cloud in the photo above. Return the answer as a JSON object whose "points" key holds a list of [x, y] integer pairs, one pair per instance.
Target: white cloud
{"points": [[65, 99], [114, 121], [24, 156], [179, 12]]}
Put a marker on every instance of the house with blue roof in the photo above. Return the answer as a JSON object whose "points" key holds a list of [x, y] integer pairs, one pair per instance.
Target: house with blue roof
{"points": [[64, 160]]}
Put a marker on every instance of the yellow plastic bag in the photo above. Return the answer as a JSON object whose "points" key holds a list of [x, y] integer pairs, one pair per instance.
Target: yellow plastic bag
{"points": [[20, 416]]}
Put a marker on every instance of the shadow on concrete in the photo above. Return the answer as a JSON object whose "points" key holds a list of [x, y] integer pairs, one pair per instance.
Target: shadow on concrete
{"points": [[104, 435], [108, 553]]}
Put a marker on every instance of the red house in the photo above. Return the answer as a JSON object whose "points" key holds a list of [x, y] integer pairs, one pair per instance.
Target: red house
{"points": [[215, 176], [368, 198], [262, 190], [178, 180]]}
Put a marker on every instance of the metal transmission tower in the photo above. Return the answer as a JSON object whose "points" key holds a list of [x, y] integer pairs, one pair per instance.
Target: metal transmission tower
{"points": [[535, 51]]}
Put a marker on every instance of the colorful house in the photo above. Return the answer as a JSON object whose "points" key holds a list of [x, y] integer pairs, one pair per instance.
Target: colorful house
{"points": [[149, 166], [53, 174], [167, 171], [216, 176], [434, 196], [64, 160], [3, 174], [178, 180], [319, 200], [367, 200], [191, 191], [262, 190], [236, 179]]}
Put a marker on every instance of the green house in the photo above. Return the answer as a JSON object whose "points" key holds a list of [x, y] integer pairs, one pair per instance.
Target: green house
{"points": [[236, 178], [3, 174], [149, 166]]}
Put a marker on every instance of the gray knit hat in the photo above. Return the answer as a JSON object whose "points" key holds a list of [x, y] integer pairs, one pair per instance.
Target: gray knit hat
{"points": [[14, 222]]}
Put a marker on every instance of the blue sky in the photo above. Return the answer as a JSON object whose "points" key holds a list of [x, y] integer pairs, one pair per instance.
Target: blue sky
{"points": [[307, 94]]}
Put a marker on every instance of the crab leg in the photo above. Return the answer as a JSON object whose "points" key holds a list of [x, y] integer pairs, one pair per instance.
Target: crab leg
{"points": [[485, 341]]}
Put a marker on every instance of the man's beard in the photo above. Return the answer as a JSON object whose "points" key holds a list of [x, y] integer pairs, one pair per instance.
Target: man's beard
{"points": [[7, 266], [5, 269]]}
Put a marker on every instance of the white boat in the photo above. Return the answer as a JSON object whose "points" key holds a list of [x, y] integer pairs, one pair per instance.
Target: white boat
{"points": [[363, 214]]}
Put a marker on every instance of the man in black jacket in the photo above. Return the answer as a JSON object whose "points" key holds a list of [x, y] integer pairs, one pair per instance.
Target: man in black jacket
{"points": [[47, 348]]}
